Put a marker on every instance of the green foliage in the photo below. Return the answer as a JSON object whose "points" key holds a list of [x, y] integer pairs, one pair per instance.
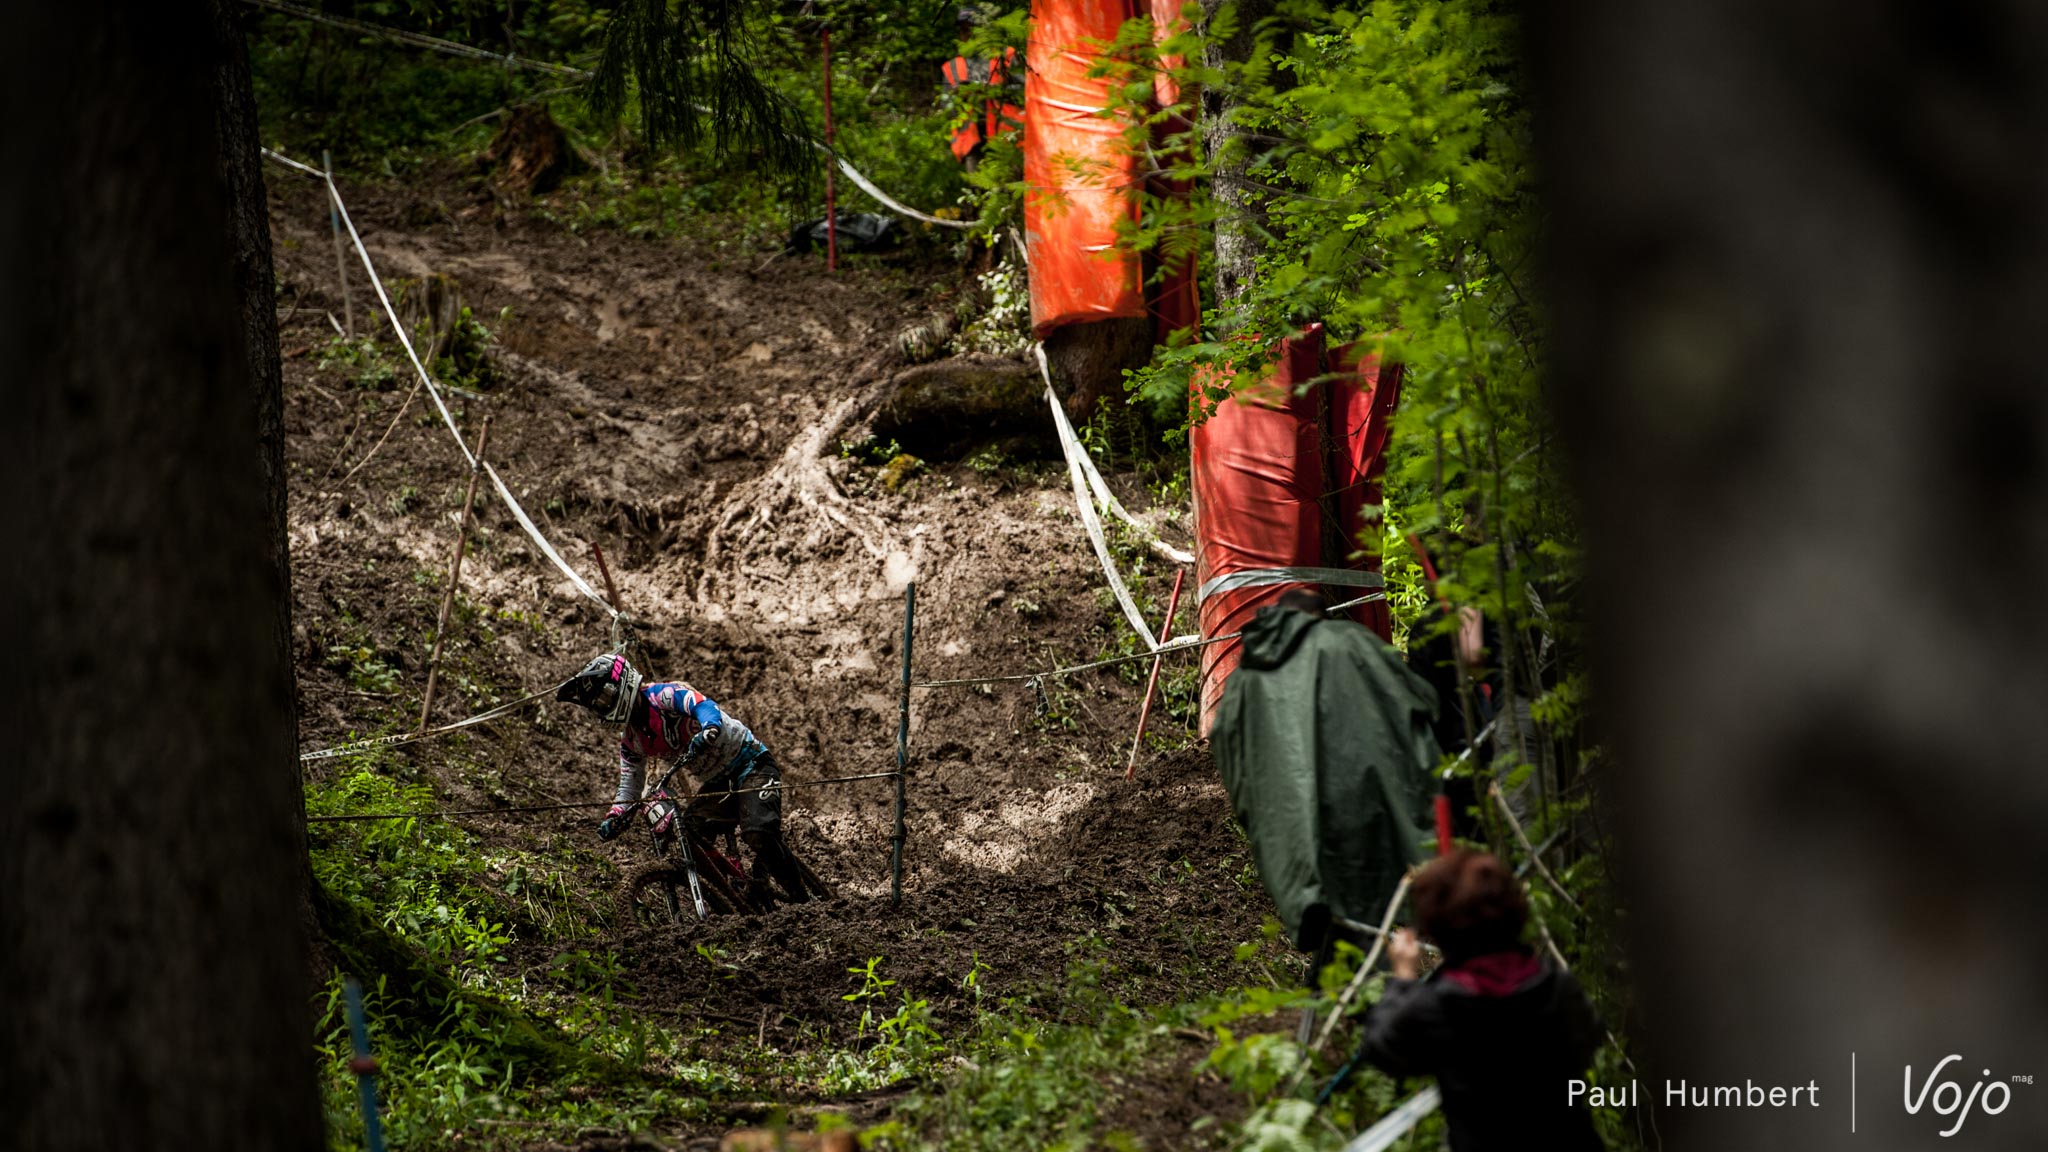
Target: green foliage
{"points": [[426, 920], [467, 345], [713, 110], [415, 872], [1385, 151], [871, 450], [365, 670], [1002, 326], [693, 67], [1025, 1082], [321, 87], [369, 364], [1391, 157]]}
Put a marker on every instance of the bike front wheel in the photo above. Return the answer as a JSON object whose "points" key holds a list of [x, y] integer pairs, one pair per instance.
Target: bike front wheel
{"points": [[660, 894]]}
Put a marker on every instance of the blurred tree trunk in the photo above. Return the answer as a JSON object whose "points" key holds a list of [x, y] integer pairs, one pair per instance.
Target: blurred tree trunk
{"points": [[1800, 260], [151, 862]]}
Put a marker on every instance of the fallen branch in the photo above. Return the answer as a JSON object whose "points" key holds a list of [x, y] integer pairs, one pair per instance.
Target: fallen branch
{"points": [[388, 430], [347, 440], [1522, 838], [1350, 992]]}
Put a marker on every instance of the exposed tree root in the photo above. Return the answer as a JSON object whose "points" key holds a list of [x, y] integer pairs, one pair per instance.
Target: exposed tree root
{"points": [[801, 482]]}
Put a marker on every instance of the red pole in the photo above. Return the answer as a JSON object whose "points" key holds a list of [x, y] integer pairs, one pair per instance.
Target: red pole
{"points": [[831, 207], [1443, 825], [1152, 681]]}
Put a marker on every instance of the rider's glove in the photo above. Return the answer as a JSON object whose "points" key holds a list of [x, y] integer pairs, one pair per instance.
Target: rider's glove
{"points": [[614, 822], [702, 742]]}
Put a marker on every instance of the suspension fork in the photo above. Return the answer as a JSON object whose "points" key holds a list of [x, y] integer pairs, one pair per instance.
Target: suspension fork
{"points": [[678, 803], [690, 869]]}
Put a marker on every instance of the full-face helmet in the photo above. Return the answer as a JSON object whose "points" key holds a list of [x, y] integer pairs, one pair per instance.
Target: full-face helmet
{"points": [[606, 686]]}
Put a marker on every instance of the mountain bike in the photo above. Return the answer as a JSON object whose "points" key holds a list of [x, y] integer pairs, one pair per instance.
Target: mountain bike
{"points": [[693, 879]]}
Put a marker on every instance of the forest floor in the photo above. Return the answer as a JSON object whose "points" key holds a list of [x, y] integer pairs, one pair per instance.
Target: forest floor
{"points": [[682, 403]]}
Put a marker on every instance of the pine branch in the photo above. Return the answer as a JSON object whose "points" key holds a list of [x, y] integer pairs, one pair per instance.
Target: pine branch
{"points": [[692, 68]]}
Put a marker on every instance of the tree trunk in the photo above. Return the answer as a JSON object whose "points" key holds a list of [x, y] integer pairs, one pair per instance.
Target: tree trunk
{"points": [[151, 856], [1799, 270], [1240, 219], [1088, 360], [248, 205]]}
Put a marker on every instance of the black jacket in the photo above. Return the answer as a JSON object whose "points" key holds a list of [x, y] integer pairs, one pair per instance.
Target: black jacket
{"points": [[1501, 1057]]}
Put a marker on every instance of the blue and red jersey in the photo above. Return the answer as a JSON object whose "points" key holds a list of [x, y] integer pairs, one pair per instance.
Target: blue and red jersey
{"points": [[674, 719]]}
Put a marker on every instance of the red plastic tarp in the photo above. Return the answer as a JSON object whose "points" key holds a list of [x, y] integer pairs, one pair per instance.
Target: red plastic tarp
{"points": [[1283, 478], [1078, 174], [1170, 282], [1080, 177], [997, 116]]}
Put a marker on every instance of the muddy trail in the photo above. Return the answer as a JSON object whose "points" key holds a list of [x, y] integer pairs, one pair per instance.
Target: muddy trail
{"points": [[683, 405]]}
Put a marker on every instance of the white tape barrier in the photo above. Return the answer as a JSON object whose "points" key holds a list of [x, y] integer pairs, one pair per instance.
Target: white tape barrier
{"points": [[540, 542], [1084, 503], [405, 341], [448, 418], [1103, 496], [1266, 577], [1107, 499], [886, 200], [1396, 1124], [358, 746], [291, 163]]}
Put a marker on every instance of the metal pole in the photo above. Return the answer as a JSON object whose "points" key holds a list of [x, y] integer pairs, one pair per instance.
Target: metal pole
{"points": [[903, 742], [364, 1066], [348, 308], [1152, 681], [831, 203], [454, 575]]}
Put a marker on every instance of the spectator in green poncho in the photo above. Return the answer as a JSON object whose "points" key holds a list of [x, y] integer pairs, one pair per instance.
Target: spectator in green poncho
{"points": [[1323, 740]]}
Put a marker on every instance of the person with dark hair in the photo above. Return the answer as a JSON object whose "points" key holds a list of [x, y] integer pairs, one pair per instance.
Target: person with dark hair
{"points": [[1500, 1027]]}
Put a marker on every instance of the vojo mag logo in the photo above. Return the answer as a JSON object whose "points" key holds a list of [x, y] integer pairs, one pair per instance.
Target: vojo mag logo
{"points": [[1945, 1097]]}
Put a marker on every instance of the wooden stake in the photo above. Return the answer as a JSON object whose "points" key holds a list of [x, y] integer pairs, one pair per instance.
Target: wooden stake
{"points": [[831, 203], [903, 743], [611, 593], [454, 575], [348, 309], [1152, 681]]}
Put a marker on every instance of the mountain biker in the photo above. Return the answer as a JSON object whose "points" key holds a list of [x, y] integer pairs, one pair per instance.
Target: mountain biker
{"points": [[740, 784]]}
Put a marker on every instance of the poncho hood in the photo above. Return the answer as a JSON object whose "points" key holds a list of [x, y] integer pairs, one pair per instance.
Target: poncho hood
{"points": [[1274, 634]]}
